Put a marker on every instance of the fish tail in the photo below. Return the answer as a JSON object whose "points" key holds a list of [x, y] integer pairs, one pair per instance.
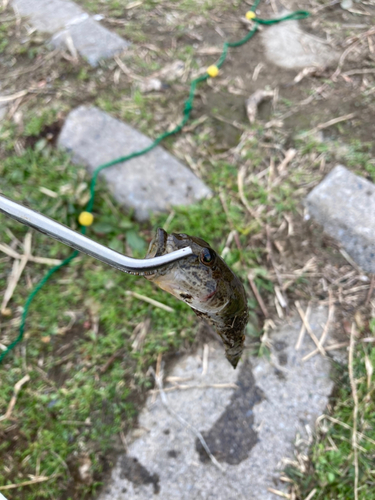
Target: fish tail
{"points": [[234, 353]]}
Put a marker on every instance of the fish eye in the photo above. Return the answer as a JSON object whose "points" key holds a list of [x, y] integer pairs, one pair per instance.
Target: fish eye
{"points": [[207, 256]]}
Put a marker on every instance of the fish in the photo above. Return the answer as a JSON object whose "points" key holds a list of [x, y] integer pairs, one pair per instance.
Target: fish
{"points": [[206, 283]]}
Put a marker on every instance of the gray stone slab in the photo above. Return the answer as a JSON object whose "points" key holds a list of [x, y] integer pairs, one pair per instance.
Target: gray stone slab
{"points": [[91, 40], [344, 204], [288, 46], [71, 25], [251, 430], [50, 16], [152, 182]]}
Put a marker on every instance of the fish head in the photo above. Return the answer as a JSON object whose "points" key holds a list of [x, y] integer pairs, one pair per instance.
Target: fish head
{"points": [[202, 280]]}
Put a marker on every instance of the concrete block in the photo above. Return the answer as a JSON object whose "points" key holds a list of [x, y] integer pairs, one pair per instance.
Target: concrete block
{"points": [[50, 16], [91, 40], [152, 182], [344, 204], [64, 19], [288, 46]]}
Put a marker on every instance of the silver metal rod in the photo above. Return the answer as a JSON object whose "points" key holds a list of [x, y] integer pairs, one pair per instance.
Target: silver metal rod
{"points": [[86, 245]]}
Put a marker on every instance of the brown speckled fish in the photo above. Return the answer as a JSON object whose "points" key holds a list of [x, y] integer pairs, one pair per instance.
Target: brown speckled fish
{"points": [[205, 282]]}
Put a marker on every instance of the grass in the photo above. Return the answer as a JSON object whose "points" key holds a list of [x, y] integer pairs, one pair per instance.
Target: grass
{"points": [[87, 289], [80, 397], [136, 21], [116, 7], [355, 154], [68, 408], [331, 472]]}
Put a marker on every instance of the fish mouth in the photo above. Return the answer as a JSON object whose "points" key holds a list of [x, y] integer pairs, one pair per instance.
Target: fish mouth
{"points": [[209, 296], [158, 244]]}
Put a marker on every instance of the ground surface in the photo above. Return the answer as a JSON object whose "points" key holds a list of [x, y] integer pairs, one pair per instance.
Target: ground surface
{"points": [[249, 420], [88, 345]]}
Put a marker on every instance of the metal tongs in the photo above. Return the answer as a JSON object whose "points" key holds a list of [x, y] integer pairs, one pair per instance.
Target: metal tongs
{"points": [[86, 245]]}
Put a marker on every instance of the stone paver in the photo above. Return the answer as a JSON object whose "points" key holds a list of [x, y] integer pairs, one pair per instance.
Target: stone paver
{"points": [[344, 204], [64, 19], [288, 46], [250, 429], [50, 16], [152, 182]]}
